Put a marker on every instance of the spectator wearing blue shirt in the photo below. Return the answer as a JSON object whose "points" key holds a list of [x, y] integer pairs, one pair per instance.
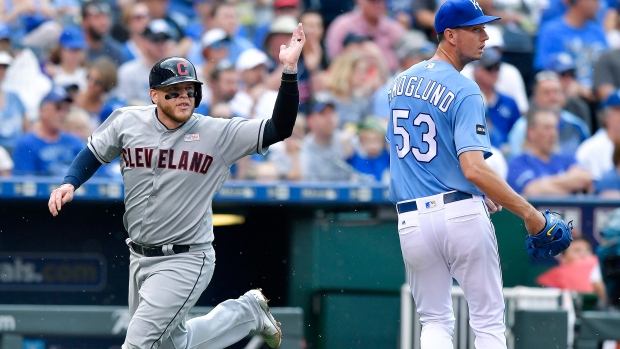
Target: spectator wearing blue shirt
{"points": [[548, 93], [48, 151], [501, 111], [541, 171], [372, 156], [576, 33], [13, 120], [224, 16]]}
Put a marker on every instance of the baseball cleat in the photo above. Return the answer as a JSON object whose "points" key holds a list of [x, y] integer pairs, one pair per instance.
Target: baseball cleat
{"points": [[271, 332]]}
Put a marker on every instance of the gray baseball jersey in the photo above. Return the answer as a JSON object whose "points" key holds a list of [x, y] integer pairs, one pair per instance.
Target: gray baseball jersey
{"points": [[157, 163]]}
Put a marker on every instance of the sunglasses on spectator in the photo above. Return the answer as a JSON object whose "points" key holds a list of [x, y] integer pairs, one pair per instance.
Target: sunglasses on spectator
{"points": [[140, 16], [568, 73], [492, 68]]}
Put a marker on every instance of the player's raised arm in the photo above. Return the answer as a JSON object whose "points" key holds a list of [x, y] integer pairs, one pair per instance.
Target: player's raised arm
{"points": [[280, 126]]}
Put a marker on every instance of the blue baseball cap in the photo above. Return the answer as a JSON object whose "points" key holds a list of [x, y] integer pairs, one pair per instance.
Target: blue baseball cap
{"points": [[72, 38], [613, 100], [560, 63], [56, 94], [460, 13]]}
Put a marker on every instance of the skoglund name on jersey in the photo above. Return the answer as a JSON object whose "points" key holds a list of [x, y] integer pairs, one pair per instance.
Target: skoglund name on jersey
{"points": [[426, 90]]}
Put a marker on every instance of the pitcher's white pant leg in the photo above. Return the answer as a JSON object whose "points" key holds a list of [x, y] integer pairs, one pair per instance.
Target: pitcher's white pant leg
{"points": [[429, 278], [476, 267]]}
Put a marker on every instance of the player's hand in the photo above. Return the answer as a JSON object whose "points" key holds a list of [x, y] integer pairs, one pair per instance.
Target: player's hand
{"points": [[59, 197], [493, 206], [290, 55]]}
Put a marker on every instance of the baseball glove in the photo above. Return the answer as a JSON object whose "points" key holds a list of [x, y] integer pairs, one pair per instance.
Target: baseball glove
{"points": [[555, 237]]}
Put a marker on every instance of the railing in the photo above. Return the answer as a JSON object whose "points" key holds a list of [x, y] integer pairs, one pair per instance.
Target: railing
{"points": [[19, 321]]}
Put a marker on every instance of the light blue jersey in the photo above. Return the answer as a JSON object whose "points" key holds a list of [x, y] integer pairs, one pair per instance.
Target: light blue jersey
{"points": [[436, 114]]}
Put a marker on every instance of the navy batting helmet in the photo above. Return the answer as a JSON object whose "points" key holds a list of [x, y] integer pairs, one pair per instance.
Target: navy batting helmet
{"points": [[173, 70]]}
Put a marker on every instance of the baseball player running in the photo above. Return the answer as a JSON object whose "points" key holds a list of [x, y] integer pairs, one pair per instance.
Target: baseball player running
{"points": [[440, 183], [173, 162]]}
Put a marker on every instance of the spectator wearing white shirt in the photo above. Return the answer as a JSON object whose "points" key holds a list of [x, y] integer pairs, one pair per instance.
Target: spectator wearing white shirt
{"points": [[595, 153], [253, 100], [509, 79]]}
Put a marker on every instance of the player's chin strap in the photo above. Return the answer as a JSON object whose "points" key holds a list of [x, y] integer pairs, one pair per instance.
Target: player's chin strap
{"points": [[176, 95]]}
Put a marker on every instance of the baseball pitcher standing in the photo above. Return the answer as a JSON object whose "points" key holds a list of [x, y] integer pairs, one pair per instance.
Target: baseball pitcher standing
{"points": [[173, 162], [442, 185]]}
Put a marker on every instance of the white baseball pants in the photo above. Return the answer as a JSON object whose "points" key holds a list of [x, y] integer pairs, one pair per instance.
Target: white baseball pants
{"points": [[455, 240], [162, 290]]}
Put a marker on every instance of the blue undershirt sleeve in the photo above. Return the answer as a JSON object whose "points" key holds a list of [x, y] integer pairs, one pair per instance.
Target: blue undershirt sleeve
{"points": [[82, 168]]}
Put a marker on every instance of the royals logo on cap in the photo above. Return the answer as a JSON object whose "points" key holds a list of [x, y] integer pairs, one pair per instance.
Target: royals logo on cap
{"points": [[460, 13]]}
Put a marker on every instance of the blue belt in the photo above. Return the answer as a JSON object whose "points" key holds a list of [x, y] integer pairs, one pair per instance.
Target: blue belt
{"points": [[454, 196]]}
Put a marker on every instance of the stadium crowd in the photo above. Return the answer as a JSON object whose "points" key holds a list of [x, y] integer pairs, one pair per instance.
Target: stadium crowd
{"points": [[550, 78]]}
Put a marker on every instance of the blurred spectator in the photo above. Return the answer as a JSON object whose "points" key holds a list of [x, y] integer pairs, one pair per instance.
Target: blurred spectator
{"points": [[66, 63], [77, 123], [325, 148], [372, 156], [160, 9], [576, 33], [352, 84], [215, 44], [225, 16], [367, 19], [607, 12], [102, 78], [424, 17], [290, 8], [133, 76], [548, 93], [576, 94], [329, 9], [6, 163], [607, 74], [608, 186], [280, 32], [313, 55], [254, 100], [540, 170], [96, 22], [24, 16], [285, 155], [266, 172], [595, 154], [412, 48], [501, 110], [355, 43], [13, 120], [194, 31], [509, 79], [136, 17], [579, 271], [224, 86], [48, 150]]}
